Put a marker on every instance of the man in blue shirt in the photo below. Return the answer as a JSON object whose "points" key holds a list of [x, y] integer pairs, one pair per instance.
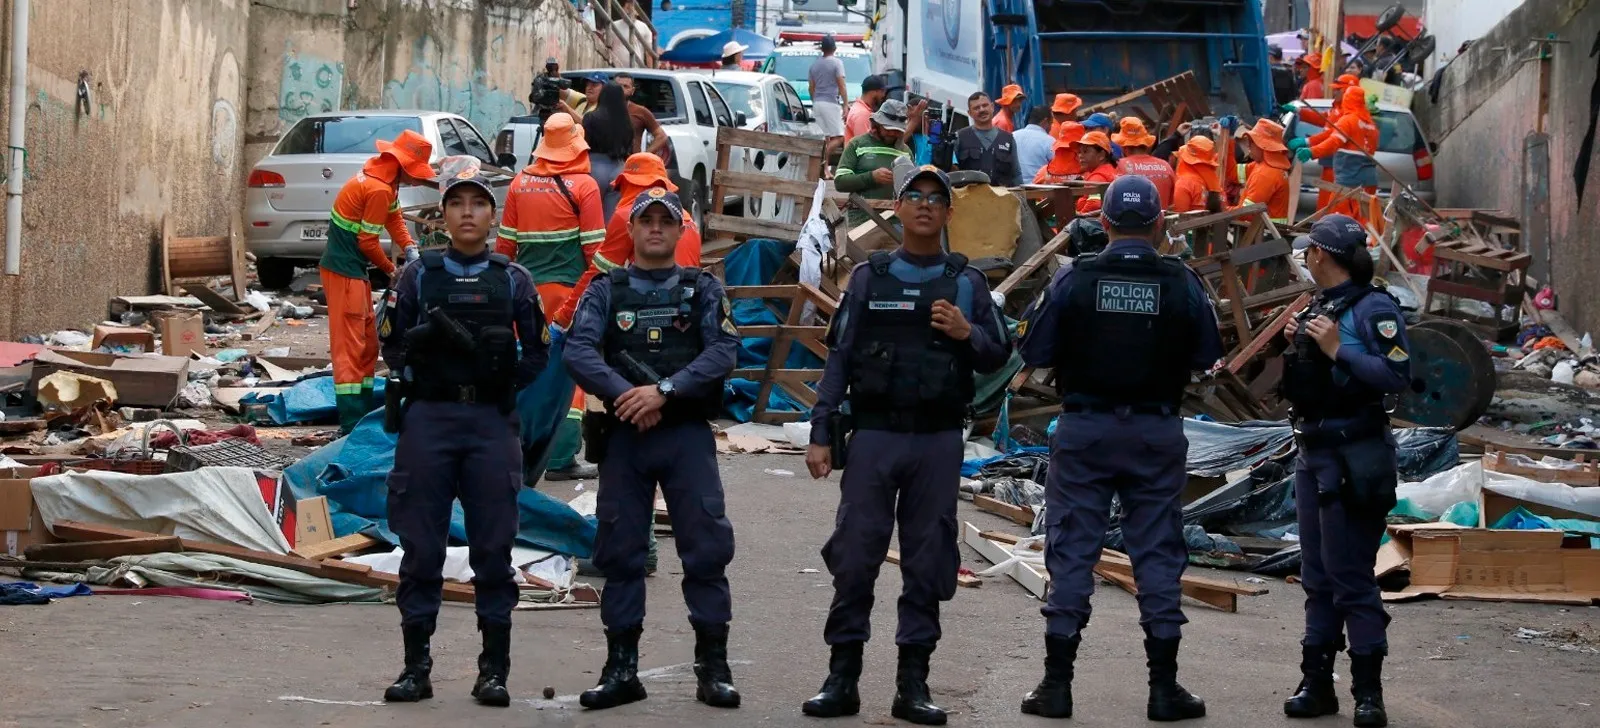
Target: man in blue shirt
{"points": [[1123, 330], [1035, 146]]}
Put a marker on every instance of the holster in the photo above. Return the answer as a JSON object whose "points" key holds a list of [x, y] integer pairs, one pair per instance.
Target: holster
{"points": [[840, 427], [1370, 476], [597, 428], [393, 404]]}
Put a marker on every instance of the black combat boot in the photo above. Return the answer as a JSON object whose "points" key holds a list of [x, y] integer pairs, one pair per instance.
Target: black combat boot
{"points": [[413, 684], [1366, 686], [1053, 697], [619, 680], [1168, 700], [711, 668], [1315, 697], [839, 695], [911, 700], [493, 664]]}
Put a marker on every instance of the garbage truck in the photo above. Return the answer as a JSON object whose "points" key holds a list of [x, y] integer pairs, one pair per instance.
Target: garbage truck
{"points": [[944, 50]]}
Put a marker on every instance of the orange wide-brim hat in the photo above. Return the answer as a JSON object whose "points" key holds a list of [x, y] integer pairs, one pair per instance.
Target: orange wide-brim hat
{"points": [[1011, 94], [1095, 139], [1199, 151], [1065, 104], [562, 140], [1134, 134], [1268, 135], [412, 151], [645, 170]]}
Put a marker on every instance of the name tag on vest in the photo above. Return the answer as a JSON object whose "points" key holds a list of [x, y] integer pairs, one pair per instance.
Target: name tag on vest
{"points": [[892, 305], [1129, 297]]}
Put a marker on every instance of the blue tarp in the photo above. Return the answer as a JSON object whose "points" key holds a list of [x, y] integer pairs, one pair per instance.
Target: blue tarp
{"points": [[709, 48], [307, 401], [754, 264], [352, 473]]}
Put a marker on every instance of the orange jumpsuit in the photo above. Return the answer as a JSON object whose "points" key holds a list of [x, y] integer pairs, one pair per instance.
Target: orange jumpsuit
{"points": [[366, 205], [1351, 150], [1104, 173], [1266, 183], [1191, 186], [617, 251], [1157, 171]]}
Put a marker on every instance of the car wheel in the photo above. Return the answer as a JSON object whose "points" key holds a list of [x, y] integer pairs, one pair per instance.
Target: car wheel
{"points": [[275, 273], [699, 197]]}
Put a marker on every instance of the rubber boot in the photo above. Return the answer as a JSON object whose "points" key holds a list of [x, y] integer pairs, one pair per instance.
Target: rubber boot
{"points": [[840, 695], [711, 669], [1315, 697], [619, 680], [413, 683], [1053, 697], [564, 463], [494, 664], [351, 408], [1168, 700], [911, 700], [1366, 686]]}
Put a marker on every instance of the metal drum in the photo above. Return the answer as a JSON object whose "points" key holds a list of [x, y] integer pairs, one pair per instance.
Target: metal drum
{"points": [[1453, 378]]}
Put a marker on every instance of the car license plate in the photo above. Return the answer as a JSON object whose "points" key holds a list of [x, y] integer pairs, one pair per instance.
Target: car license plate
{"points": [[314, 232]]}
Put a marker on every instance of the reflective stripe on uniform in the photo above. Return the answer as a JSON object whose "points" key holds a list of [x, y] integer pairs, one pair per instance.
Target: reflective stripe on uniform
{"points": [[593, 236], [349, 226], [603, 265], [352, 388], [551, 236], [508, 232], [573, 413], [891, 151]]}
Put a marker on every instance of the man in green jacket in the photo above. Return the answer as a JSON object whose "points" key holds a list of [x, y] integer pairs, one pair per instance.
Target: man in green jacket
{"points": [[867, 165]]}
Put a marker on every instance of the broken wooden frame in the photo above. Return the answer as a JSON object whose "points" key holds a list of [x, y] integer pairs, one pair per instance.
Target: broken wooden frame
{"points": [[1175, 100], [724, 232], [794, 382]]}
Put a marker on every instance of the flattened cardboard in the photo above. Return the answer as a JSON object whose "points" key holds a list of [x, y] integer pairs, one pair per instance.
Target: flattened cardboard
{"points": [[20, 523], [123, 337], [144, 381], [1497, 565], [313, 525]]}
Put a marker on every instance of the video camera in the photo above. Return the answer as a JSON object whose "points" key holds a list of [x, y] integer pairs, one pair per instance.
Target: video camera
{"points": [[938, 123], [547, 91]]}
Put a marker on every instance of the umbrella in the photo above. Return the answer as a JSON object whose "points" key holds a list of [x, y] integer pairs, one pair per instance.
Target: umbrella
{"points": [[1293, 45], [709, 48]]}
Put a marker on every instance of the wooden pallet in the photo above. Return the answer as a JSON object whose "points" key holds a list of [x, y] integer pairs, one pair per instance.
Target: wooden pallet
{"points": [[1174, 100], [1587, 472], [794, 382], [777, 219], [1476, 270]]}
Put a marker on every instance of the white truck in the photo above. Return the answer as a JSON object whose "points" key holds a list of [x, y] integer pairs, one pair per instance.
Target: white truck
{"points": [[690, 111]]}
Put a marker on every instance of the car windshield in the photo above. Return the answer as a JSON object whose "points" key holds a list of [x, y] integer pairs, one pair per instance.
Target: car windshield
{"points": [[740, 97], [344, 134], [797, 66], [1397, 131]]}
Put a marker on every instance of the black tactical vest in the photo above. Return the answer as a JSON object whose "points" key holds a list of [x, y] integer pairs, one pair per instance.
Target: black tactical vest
{"points": [[1308, 373], [999, 164], [660, 330], [1127, 331], [443, 364], [904, 375]]}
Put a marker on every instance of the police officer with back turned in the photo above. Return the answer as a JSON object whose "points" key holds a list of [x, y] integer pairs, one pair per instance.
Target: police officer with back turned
{"points": [[1123, 330], [912, 328], [1348, 351], [451, 328], [655, 342]]}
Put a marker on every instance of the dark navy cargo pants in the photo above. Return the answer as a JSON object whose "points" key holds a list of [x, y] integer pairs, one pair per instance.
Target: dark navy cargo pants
{"points": [[450, 450], [1338, 550]]}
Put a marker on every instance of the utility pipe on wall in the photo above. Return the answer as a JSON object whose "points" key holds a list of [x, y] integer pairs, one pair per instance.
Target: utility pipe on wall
{"points": [[18, 152]]}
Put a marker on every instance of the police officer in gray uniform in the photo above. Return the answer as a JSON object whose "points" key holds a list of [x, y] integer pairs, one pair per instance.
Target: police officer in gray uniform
{"points": [[912, 328], [451, 327], [1123, 329], [655, 342], [1349, 351]]}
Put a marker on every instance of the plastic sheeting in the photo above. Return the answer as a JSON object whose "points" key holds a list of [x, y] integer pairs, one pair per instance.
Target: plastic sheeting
{"points": [[353, 471], [754, 264], [1218, 449], [1426, 451], [267, 583], [542, 406], [216, 505], [307, 401]]}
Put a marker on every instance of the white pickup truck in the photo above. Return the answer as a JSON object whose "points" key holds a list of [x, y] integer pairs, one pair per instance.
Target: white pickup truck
{"points": [[690, 111]]}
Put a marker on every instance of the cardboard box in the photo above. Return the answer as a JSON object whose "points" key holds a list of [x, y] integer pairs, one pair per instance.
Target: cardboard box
{"points": [[182, 334], [20, 524], [1473, 563], [146, 381], [313, 525], [125, 339]]}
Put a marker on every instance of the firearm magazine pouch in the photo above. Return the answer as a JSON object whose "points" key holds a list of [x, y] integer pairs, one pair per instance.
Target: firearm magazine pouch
{"points": [[596, 429], [1370, 474]]}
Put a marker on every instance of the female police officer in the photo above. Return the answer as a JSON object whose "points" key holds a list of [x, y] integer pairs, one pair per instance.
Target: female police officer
{"points": [[1348, 351]]}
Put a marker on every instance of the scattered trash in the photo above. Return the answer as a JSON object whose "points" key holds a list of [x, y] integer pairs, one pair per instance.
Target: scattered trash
{"points": [[69, 339], [231, 355], [808, 571], [276, 351], [69, 391], [194, 394], [258, 301], [779, 472], [291, 311]]}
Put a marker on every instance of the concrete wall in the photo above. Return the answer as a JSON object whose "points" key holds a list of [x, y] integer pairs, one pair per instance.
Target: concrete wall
{"points": [[160, 136], [1453, 22], [476, 58], [1487, 108]]}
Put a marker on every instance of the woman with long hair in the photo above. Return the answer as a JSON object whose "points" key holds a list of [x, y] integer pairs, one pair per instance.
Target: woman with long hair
{"points": [[609, 132]]}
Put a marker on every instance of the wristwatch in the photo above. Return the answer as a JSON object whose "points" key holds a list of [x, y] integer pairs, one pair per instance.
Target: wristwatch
{"points": [[665, 387]]}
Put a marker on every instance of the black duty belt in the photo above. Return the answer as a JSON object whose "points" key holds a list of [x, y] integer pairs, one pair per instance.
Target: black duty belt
{"points": [[1325, 437], [909, 421], [1104, 408], [460, 394]]}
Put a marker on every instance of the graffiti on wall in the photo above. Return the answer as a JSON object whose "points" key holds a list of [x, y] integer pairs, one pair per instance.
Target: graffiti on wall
{"points": [[309, 85], [458, 91]]}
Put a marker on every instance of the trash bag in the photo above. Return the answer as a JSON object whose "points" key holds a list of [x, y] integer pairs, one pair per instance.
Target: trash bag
{"points": [[1280, 563], [1218, 449], [1085, 235], [1464, 514], [1422, 452]]}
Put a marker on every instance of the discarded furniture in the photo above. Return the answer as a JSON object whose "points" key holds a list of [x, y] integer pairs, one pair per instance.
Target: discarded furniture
{"points": [[782, 203], [1479, 271], [794, 382], [1174, 100]]}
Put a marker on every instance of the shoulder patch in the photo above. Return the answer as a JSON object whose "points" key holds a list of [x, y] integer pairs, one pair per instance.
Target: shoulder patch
{"points": [[727, 326], [1387, 328], [1398, 354], [1022, 328]]}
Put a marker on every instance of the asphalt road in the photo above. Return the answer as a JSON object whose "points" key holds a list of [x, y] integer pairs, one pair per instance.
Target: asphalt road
{"points": [[181, 663]]}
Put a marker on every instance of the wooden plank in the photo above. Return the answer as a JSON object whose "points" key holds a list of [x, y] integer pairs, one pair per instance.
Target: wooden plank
{"points": [[1025, 574], [1034, 263], [731, 137], [755, 183], [1016, 514], [750, 227], [966, 580], [1259, 251], [337, 547], [787, 375], [1263, 337], [213, 299], [260, 327], [860, 203], [1185, 224], [103, 550]]}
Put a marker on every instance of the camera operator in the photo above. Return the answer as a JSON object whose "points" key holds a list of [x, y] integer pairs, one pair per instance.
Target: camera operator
{"points": [[552, 93]]}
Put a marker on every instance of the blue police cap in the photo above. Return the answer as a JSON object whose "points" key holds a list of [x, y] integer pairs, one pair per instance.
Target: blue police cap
{"points": [[657, 196], [1131, 201], [470, 177], [926, 171], [1340, 235]]}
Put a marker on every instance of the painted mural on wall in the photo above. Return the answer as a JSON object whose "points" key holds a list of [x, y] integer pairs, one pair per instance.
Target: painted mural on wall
{"points": [[310, 85], [456, 89]]}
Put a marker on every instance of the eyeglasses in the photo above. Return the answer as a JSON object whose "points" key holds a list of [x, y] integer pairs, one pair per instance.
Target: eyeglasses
{"points": [[932, 199]]}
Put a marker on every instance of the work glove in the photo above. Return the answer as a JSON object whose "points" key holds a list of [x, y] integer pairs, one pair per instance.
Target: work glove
{"points": [[556, 333], [413, 252], [1298, 143], [1372, 103], [1288, 109], [1303, 154], [1229, 122]]}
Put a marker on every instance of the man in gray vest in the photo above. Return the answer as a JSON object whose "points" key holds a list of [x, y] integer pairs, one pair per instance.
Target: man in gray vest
{"points": [[984, 147]]}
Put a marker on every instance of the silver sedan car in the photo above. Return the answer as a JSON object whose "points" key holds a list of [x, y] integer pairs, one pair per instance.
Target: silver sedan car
{"points": [[290, 193]]}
